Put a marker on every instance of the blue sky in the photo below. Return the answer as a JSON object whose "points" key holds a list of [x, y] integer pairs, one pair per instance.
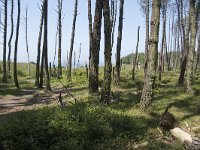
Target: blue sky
{"points": [[133, 18]]}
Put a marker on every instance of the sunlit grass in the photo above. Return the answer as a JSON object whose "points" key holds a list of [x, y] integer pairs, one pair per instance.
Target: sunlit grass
{"points": [[91, 125]]}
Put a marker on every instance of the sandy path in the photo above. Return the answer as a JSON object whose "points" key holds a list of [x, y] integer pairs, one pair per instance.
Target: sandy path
{"points": [[25, 100]]}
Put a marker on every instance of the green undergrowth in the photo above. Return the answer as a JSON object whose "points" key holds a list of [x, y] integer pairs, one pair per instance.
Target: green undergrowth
{"points": [[91, 125]]}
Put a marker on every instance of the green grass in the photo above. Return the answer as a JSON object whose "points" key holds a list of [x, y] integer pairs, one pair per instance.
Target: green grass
{"points": [[91, 125]]}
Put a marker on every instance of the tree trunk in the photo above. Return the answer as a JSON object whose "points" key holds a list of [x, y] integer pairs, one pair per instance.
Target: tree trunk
{"points": [[5, 41], [72, 41], [119, 41], [79, 56], [41, 71], [190, 62], [26, 29], [198, 54], [172, 42], [74, 61], [54, 58], [147, 35], [37, 75], [95, 48], [147, 93], [59, 37], [16, 47], [184, 42], [168, 45], [10, 40], [45, 46], [185, 55], [175, 47], [164, 11], [107, 53], [136, 54], [114, 20], [90, 28]]}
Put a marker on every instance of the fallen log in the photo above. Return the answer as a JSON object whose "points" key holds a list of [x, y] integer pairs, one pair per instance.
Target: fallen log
{"points": [[185, 138]]}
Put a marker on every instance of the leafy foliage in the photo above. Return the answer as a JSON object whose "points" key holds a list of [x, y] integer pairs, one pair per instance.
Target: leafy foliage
{"points": [[129, 58]]}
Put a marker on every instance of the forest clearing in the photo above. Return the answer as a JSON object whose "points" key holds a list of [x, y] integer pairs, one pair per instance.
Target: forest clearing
{"points": [[42, 123], [109, 81]]}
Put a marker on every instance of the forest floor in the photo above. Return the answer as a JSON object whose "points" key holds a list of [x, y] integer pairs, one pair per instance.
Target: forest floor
{"points": [[24, 99], [33, 119]]}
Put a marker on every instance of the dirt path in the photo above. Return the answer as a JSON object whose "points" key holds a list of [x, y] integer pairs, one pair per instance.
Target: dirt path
{"points": [[25, 99]]}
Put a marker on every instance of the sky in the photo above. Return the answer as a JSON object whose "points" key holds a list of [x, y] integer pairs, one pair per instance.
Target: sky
{"points": [[133, 18]]}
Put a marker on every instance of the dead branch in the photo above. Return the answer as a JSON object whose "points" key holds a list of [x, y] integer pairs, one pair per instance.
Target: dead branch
{"points": [[76, 101]]}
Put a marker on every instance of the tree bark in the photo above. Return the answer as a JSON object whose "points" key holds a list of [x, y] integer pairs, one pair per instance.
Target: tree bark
{"points": [[37, 73], [147, 35], [10, 40], [184, 42], [27, 50], [198, 54], [107, 53], [5, 41], [190, 62], [147, 93], [59, 37], [95, 48], [168, 45], [45, 46], [119, 41], [164, 18], [74, 61], [79, 56], [185, 55], [72, 41], [16, 46], [114, 20], [136, 54], [90, 28]]}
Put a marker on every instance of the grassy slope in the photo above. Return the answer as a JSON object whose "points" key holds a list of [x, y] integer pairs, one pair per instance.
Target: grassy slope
{"points": [[90, 125]]}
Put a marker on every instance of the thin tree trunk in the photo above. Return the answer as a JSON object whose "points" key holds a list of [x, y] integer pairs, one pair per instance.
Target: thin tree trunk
{"points": [[72, 40], [185, 56], [107, 53], [5, 41], [147, 35], [90, 28], [16, 47], [54, 58], [168, 45], [171, 43], [114, 21], [79, 56], [59, 37], [185, 44], [147, 93], [45, 46], [26, 29], [198, 54], [42, 69], [95, 48], [74, 61], [10, 40], [160, 69], [174, 47], [136, 54], [190, 62], [119, 41], [37, 75]]}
